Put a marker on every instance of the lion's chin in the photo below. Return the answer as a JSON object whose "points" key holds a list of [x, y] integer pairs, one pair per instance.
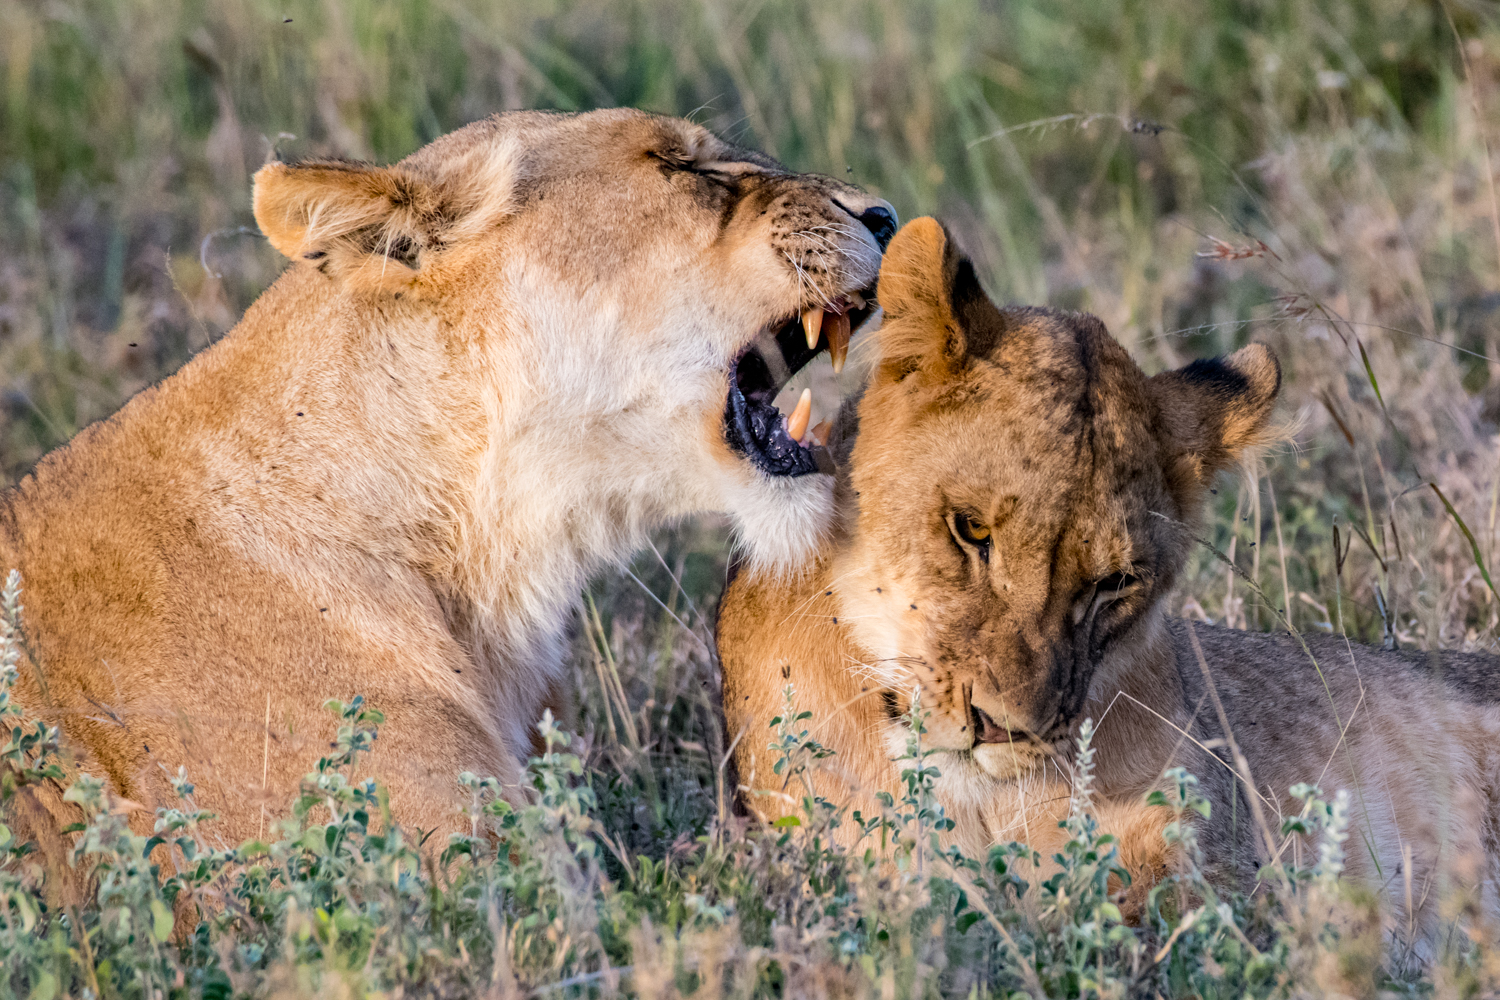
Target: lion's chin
{"points": [[780, 522], [1008, 761]]}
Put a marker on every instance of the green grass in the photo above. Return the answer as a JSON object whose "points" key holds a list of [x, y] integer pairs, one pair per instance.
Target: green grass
{"points": [[1088, 154]]}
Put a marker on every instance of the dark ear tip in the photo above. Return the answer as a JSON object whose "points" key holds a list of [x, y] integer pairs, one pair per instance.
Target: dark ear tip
{"points": [[953, 251], [959, 277]]}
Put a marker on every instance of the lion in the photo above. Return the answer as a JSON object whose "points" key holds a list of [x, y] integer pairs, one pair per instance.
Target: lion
{"points": [[488, 371], [1017, 500]]}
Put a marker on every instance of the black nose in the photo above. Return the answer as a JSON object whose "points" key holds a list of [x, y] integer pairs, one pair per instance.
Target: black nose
{"points": [[881, 222]]}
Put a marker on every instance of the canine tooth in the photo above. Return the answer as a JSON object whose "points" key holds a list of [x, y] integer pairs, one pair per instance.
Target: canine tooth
{"points": [[812, 324], [820, 433], [796, 424], [838, 340]]}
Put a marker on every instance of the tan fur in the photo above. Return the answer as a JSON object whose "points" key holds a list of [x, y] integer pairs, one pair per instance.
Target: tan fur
{"points": [[1039, 428], [490, 369]]}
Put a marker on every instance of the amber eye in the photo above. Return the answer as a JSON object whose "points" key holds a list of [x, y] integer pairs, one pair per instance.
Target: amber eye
{"points": [[972, 533]]}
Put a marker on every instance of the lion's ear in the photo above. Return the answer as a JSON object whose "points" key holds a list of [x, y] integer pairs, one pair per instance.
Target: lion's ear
{"points": [[380, 227], [1215, 408], [937, 316]]}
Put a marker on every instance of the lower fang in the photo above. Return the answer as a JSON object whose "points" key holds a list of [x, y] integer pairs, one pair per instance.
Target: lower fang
{"points": [[796, 424]]}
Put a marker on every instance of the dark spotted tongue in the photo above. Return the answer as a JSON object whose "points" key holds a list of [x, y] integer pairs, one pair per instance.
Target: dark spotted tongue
{"points": [[779, 454], [755, 428]]}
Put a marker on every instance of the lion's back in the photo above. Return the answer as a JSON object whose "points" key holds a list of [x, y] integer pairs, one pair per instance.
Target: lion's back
{"points": [[1270, 667]]}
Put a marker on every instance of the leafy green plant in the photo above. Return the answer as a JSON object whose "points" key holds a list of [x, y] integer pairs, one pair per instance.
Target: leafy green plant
{"points": [[342, 899], [30, 752]]}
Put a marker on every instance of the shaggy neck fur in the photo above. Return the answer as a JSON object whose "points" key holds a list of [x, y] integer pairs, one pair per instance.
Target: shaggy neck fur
{"points": [[475, 458]]}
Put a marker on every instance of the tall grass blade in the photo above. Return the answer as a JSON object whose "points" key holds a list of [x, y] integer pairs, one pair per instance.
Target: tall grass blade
{"points": [[1469, 536]]}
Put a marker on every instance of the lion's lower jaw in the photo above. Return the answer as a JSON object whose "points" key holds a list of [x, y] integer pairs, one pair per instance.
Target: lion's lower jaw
{"points": [[1008, 761], [780, 523]]}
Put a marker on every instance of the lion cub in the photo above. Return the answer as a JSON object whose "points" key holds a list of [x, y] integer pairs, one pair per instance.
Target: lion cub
{"points": [[1019, 500]]}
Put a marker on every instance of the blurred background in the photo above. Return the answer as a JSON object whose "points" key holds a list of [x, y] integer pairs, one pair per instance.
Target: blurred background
{"points": [[1315, 174]]}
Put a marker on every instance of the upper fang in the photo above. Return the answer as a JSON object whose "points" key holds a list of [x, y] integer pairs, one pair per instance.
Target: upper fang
{"points": [[812, 324], [838, 340]]}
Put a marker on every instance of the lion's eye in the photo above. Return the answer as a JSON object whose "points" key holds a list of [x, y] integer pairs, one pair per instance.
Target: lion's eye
{"points": [[1114, 586], [721, 172], [972, 533], [671, 159], [729, 168]]}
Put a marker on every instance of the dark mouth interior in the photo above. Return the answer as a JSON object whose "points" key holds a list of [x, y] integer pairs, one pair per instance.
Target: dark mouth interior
{"points": [[986, 729], [753, 425]]}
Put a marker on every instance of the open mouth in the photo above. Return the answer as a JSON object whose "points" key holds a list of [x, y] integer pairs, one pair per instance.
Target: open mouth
{"points": [[784, 445]]}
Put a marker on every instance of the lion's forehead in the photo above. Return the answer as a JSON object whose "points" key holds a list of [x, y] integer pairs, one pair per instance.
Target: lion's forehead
{"points": [[558, 145], [600, 174], [1062, 502], [564, 133], [1108, 461]]}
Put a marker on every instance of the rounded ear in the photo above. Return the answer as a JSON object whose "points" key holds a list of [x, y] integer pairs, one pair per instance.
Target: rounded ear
{"points": [[380, 227], [336, 213], [936, 314], [1213, 409], [911, 275]]}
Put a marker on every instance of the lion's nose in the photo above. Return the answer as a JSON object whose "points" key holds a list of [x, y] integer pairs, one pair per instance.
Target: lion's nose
{"points": [[987, 730], [880, 220], [875, 214]]}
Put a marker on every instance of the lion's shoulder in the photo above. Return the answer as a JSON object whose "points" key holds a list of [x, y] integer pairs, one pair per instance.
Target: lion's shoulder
{"points": [[782, 625]]}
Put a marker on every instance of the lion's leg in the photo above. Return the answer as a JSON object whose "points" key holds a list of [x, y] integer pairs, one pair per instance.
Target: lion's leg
{"points": [[426, 741], [1137, 829], [248, 770], [1143, 852], [37, 815]]}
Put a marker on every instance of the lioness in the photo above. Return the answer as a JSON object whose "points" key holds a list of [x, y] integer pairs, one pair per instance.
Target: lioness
{"points": [[490, 369], [1019, 500]]}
